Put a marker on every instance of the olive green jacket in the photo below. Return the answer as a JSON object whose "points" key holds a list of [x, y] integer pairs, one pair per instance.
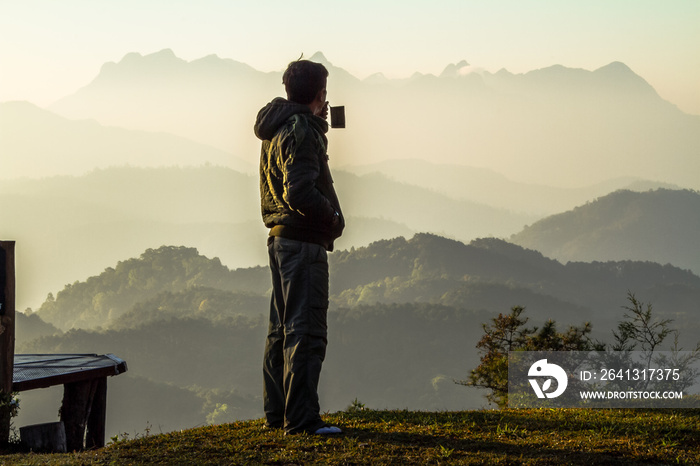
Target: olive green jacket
{"points": [[297, 197]]}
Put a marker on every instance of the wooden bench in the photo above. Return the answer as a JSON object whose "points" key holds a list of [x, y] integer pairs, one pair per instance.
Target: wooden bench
{"points": [[84, 380], [83, 376]]}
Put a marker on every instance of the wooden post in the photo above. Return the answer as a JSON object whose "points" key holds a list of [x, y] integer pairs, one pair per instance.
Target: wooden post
{"points": [[95, 435], [83, 413], [7, 329], [75, 411]]}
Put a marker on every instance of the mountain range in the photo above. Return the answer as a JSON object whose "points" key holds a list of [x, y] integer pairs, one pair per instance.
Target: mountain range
{"points": [[109, 214], [488, 187], [70, 227], [404, 320], [38, 143], [659, 226], [557, 125], [466, 193]]}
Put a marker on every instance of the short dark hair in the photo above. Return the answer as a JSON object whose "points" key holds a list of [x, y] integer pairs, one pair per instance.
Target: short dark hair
{"points": [[303, 79]]}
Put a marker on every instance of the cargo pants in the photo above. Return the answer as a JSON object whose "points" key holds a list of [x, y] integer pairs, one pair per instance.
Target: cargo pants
{"points": [[297, 335]]}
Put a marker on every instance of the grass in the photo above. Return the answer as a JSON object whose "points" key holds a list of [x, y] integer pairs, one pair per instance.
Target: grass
{"points": [[528, 437]]}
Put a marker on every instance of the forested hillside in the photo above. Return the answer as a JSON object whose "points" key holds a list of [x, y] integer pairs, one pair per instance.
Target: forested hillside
{"points": [[72, 227], [492, 274], [404, 320], [661, 226], [100, 300]]}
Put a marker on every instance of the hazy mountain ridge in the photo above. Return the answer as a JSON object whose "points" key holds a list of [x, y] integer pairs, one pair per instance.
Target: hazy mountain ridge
{"points": [[197, 302], [104, 298], [554, 124], [422, 209], [164, 65], [428, 268], [661, 226], [488, 187], [80, 235], [404, 320], [68, 228], [221, 361], [132, 209], [425, 268], [71, 227], [39, 143], [205, 100], [613, 78]]}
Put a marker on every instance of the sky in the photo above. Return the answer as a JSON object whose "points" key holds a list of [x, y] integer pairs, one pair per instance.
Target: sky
{"points": [[50, 48]]}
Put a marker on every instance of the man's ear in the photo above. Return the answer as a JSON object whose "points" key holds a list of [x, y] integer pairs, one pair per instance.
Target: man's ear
{"points": [[320, 96]]}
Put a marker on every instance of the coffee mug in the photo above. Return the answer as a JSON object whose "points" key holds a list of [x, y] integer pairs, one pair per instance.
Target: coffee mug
{"points": [[338, 116]]}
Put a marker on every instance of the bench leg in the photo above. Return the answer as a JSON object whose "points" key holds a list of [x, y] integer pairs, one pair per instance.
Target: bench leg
{"points": [[95, 437], [84, 406]]}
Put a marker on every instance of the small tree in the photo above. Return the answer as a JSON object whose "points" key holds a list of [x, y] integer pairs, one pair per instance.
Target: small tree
{"points": [[508, 333], [640, 329]]}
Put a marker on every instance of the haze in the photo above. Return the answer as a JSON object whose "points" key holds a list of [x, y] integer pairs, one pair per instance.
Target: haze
{"points": [[51, 48], [126, 133]]}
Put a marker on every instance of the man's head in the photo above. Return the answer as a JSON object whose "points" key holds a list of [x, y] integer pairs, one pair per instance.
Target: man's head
{"points": [[305, 82]]}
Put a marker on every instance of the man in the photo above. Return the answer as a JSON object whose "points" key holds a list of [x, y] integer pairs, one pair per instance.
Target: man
{"points": [[300, 207]]}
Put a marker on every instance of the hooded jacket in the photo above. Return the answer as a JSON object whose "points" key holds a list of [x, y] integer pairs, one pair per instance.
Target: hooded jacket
{"points": [[297, 197]]}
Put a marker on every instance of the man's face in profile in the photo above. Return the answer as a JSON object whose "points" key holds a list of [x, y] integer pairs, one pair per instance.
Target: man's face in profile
{"points": [[319, 104]]}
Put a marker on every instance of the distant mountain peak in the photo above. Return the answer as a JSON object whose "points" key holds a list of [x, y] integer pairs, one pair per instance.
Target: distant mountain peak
{"points": [[318, 57], [376, 78], [164, 55], [615, 67], [623, 78], [617, 70], [455, 70]]}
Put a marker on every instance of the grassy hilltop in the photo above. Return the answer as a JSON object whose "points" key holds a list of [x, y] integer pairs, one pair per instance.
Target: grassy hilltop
{"points": [[528, 437]]}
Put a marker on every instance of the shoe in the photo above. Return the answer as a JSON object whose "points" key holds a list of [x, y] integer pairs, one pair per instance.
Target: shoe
{"points": [[328, 430]]}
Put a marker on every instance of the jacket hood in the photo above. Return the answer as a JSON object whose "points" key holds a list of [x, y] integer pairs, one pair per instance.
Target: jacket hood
{"points": [[274, 114]]}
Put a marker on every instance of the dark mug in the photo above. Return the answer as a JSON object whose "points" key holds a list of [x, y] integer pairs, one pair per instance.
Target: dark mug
{"points": [[338, 117]]}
